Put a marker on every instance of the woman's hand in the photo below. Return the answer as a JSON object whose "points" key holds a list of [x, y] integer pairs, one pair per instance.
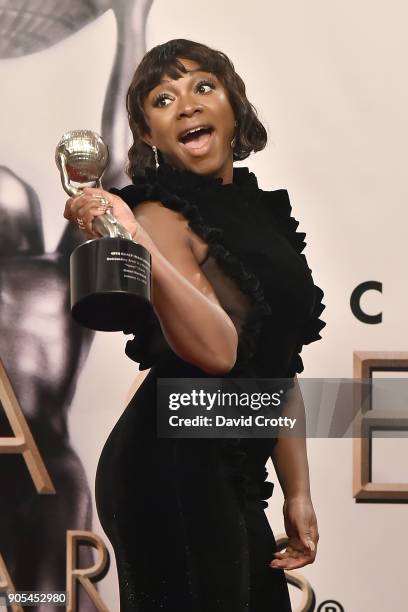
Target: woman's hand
{"points": [[301, 528], [92, 203]]}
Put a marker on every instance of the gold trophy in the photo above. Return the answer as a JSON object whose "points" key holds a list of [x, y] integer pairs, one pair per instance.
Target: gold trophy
{"points": [[110, 275]]}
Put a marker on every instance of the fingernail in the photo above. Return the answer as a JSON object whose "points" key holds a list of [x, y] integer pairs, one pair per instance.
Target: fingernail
{"points": [[311, 545]]}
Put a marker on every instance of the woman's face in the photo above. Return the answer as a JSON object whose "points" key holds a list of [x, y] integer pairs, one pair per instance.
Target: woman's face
{"points": [[195, 101]]}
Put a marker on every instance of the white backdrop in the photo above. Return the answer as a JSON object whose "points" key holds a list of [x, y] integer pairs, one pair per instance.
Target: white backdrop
{"points": [[328, 80]]}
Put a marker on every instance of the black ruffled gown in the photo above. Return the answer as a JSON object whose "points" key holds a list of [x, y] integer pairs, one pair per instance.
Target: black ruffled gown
{"points": [[186, 516]]}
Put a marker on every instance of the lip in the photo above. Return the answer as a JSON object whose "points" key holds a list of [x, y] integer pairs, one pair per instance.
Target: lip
{"points": [[204, 126], [203, 150]]}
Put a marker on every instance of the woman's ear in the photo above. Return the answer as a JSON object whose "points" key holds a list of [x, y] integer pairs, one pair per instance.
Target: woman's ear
{"points": [[145, 134]]}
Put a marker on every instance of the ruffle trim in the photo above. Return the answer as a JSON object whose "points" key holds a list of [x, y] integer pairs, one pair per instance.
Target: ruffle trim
{"points": [[246, 488], [310, 331], [148, 345]]}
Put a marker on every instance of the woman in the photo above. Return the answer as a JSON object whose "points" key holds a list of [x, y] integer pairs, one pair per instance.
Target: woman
{"points": [[232, 297]]}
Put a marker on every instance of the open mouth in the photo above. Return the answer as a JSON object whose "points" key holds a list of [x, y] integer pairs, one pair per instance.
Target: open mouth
{"points": [[196, 138]]}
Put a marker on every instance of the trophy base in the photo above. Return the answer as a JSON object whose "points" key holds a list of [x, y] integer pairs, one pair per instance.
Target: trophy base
{"points": [[111, 284], [126, 312]]}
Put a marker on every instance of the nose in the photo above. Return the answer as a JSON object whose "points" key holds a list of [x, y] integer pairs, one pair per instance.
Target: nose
{"points": [[188, 107]]}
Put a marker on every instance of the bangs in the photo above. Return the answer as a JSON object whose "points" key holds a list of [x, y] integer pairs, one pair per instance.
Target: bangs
{"points": [[169, 63]]}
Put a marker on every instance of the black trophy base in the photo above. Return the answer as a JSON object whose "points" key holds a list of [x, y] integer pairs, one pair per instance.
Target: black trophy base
{"points": [[111, 284]]}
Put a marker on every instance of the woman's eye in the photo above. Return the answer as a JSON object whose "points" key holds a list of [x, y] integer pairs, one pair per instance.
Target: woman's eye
{"points": [[163, 99], [202, 84], [160, 100]]}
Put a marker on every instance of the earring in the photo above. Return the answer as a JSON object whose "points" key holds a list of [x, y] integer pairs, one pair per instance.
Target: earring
{"points": [[233, 141], [156, 157]]}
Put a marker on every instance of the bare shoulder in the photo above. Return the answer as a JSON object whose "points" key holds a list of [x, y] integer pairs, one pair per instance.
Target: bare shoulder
{"points": [[153, 212], [169, 228], [174, 238]]}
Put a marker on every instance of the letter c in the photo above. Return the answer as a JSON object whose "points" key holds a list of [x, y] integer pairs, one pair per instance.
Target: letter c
{"points": [[356, 298]]}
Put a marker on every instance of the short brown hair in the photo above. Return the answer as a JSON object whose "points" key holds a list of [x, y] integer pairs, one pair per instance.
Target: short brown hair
{"points": [[165, 59]]}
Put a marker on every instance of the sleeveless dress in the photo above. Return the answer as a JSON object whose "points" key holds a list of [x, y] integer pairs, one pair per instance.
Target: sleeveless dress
{"points": [[186, 516]]}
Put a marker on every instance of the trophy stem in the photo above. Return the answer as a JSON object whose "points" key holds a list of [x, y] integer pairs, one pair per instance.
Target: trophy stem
{"points": [[68, 188]]}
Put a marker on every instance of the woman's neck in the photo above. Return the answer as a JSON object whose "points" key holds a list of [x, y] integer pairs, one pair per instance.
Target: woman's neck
{"points": [[225, 173]]}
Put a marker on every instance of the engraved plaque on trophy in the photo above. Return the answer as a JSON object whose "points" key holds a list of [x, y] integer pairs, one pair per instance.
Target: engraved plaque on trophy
{"points": [[110, 275]]}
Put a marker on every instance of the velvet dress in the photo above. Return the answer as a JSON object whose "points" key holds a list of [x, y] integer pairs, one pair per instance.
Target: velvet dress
{"points": [[186, 517]]}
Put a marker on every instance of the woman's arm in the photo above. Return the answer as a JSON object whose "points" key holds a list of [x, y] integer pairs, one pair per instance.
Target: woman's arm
{"points": [[289, 457], [192, 320], [289, 454]]}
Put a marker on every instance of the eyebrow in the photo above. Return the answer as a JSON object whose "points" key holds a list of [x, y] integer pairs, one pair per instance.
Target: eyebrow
{"points": [[188, 72]]}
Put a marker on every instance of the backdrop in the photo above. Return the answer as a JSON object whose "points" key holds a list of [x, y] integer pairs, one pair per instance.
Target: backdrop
{"points": [[328, 81]]}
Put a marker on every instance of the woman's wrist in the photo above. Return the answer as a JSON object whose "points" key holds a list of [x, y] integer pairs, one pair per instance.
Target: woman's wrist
{"points": [[303, 494]]}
